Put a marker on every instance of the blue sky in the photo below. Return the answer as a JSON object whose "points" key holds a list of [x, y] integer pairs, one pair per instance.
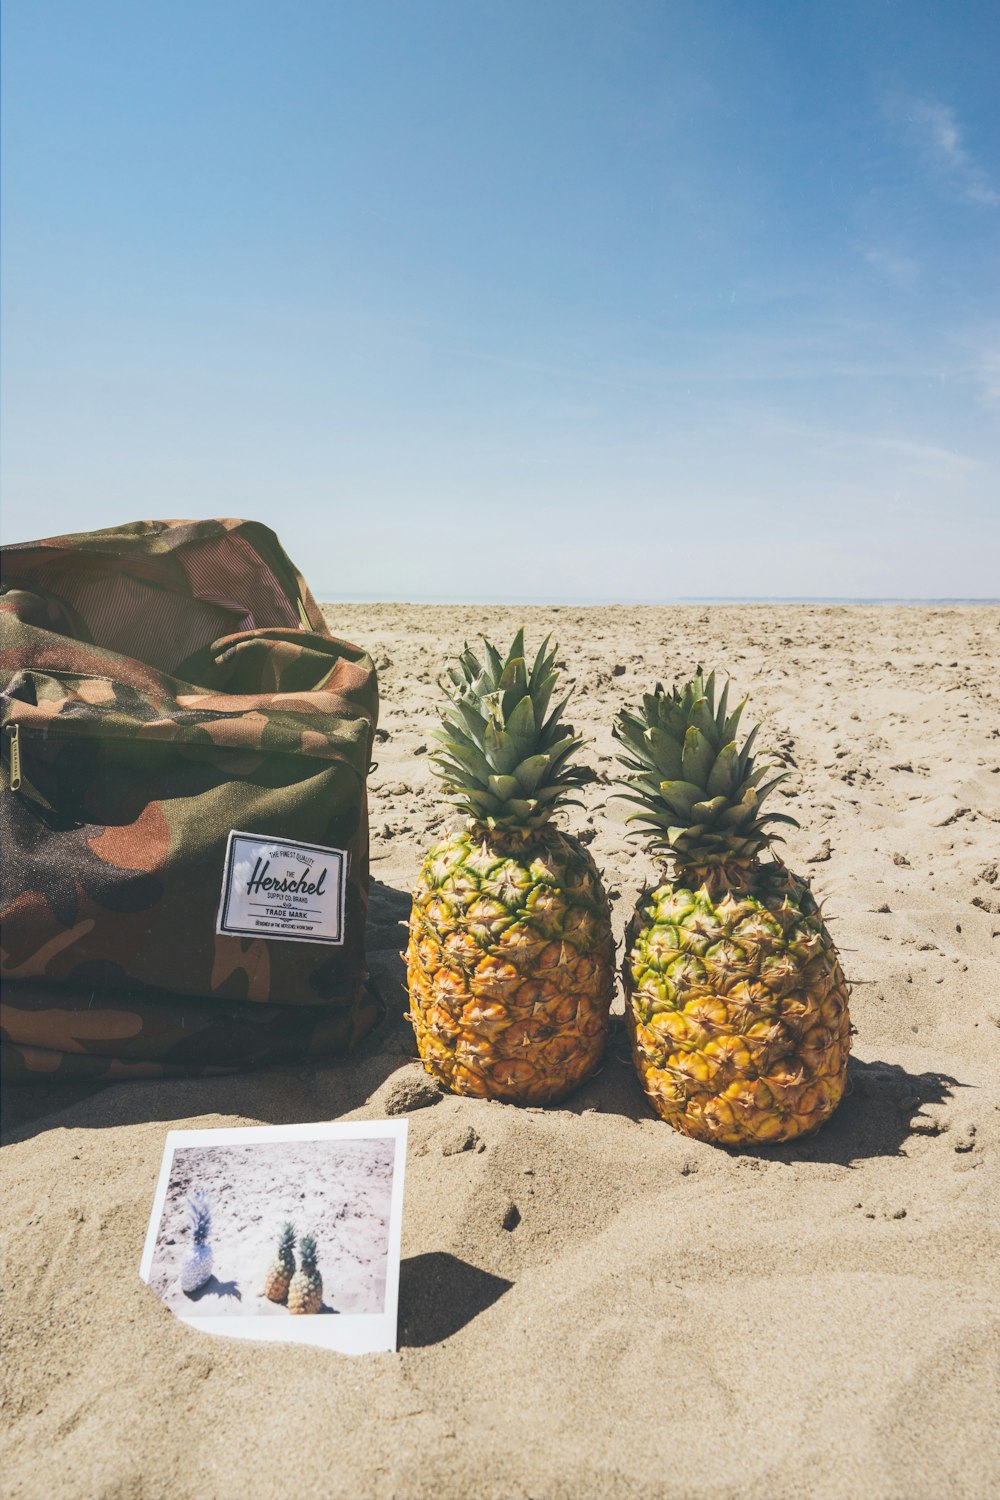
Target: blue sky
{"points": [[527, 299]]}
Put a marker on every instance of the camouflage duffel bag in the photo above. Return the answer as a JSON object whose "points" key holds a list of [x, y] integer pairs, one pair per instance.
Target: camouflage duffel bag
{"points": [[185, 826]]}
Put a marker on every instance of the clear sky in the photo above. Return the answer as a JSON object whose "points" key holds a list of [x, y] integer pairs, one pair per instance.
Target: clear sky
{"points": [[524, 299]]}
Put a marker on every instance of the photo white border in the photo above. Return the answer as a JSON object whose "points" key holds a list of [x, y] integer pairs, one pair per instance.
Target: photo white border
{"points": [[347, 1333]]}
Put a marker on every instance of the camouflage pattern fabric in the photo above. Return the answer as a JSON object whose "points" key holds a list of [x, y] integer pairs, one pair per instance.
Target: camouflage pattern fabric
{"points": [[162, 684]]}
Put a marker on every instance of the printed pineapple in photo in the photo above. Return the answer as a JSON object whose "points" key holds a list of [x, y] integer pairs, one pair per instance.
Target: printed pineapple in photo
{"points": [[305, 1293], [282, 1267], [196, 1268]]}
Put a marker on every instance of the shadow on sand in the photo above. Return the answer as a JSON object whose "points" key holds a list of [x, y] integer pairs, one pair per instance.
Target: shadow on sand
{"points": [[884, 1105], [883, 1108], [213, 1287], [439, 1294], [278, 1095]]}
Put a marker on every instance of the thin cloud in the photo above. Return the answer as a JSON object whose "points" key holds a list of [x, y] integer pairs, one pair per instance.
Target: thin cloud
{"points": [[933, 130], [989, 377], [900, 453], [922, 455], [901, 270]]}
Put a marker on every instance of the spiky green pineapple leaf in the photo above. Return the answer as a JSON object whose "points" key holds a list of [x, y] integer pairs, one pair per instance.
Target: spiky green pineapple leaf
{"points": [[541, 695], [553, 724], [696, 756], [720, 714], [541, 664], [708, 812], [703, 719], [724, 775], [762, 791], [738, 816], [521, 729], [458, 760], [518, 809], [493, 663], [731, 724], [501, 752], [745, 752], [505, 787], [506, 751], [666, 753], [680, 796], [531, 771], [474, 722]]}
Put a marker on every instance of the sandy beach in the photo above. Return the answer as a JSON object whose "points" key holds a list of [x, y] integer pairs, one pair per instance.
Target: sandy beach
{"points": [[592, 1305]]}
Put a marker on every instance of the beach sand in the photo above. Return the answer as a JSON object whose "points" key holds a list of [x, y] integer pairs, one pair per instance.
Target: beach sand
{"points": [[664, 1318]]}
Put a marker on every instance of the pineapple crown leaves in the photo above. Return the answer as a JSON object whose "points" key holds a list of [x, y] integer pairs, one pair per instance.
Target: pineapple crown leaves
{"points": [[308, 1250], [506, 756], [699, 791], [199, 1216], [286, 1243]]}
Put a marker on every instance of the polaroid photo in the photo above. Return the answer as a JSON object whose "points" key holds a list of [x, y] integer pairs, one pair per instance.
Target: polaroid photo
{"points": [[285, 1232]]}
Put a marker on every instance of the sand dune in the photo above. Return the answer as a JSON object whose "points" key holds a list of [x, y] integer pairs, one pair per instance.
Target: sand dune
{"points": [[659, 1319]]}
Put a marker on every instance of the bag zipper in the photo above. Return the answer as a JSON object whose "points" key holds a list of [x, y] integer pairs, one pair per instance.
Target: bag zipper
{"points": [[20, 783], [63, 725], [14, 731]]}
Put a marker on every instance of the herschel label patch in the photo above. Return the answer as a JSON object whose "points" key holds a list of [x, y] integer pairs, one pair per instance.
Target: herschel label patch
{"points": [[275, 888]]}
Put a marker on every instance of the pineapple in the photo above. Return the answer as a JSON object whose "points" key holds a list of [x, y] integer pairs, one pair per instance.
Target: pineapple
{"points": [[282, 1267], [510, 956], [196, 1266], [305, 1290], [735, 999]]}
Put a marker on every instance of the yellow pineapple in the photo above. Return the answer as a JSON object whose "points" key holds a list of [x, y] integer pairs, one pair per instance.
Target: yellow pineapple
{"points": [[735, 999], [510, 957], [305, 1290], [282, 1268]]}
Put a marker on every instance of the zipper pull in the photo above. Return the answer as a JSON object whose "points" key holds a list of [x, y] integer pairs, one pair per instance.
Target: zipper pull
{"points": [[19, 782], [14, 730]]}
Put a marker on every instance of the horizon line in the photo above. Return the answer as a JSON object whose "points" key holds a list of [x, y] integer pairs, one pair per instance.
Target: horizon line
{"points": [[327, 597]]}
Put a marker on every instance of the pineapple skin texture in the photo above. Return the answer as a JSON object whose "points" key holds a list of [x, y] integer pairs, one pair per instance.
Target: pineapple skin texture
{"points": [[278, 1279], [510, 964], [737, 1008], [196, 1268], [305, 1292]]}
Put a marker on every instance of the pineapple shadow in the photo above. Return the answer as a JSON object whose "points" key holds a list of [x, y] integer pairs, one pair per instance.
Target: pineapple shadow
{"points": [[439, 1294], [213, 1287], [883, 1108]]}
